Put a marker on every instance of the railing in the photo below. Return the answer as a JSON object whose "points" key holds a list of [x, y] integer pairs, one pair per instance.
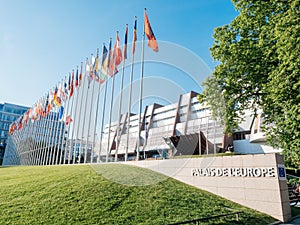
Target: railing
{"points": [[293, 189], [196, 221]]}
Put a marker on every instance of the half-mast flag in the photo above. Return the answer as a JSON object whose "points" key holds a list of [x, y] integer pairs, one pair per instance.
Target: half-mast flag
{"points": [[125, 42], [152, 43], [134, 35]]}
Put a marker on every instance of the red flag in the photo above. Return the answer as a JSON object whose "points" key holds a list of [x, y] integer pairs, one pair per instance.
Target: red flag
{"points": [[72, 85], [111, 66], [152, 43], [68, 120], [117, 51], [80, 75], [134, 36]]}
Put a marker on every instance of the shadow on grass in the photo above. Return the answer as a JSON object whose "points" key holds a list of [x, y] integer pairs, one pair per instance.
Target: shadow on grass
{"points": [[128, 175]]}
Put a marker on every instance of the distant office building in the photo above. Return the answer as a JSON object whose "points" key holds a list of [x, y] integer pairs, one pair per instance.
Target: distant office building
{"points": [[8, 114], [39, 142]]}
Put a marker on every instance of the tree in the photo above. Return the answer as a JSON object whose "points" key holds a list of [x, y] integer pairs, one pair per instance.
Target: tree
{"points": [[259, 69]]}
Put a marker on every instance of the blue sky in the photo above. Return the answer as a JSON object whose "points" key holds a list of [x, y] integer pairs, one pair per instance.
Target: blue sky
{"points": [[42, 41]]}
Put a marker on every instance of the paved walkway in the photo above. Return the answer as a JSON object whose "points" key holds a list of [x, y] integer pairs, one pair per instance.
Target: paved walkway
{"points": [[293, 222], [296, 219]]}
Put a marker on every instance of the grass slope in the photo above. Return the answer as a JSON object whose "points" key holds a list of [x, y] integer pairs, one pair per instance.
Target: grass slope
{"points": [[81, 194]]}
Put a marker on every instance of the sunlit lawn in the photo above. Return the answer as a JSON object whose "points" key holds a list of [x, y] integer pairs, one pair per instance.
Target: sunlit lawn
{"points": [[83, 194]]}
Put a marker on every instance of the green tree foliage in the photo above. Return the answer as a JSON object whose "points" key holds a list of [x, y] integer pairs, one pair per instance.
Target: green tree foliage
{"points": [[259, 69]]}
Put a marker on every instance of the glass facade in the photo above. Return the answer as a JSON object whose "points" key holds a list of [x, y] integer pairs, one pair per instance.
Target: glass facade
{"points": [[8, 114]]}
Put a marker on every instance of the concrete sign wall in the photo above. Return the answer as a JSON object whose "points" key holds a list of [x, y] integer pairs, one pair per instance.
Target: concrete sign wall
{"points": [[255, 181]]}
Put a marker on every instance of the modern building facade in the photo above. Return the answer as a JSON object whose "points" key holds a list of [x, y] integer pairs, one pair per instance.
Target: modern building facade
{"points": [[8, 114], [182, 128]]}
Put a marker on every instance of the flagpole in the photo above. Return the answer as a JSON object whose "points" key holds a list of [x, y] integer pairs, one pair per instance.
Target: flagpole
{"points": [[64, 140], [74, 120], [104, 102], [110, 118], [102, 120], [44, 135], [71, 141], [57, 126], [97, 106], [53, 133], [38, 150], [87, 92], [130, 89], [66, 134], [79, 116], [51, 122], [43, 139], [119, 133], [141, 94], [48, 128], [61, 135], [61, 127], [111, 105], [60, 138], [90, 116]]}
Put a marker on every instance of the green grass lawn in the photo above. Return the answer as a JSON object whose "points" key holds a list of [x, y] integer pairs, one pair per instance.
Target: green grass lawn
{"points": [[107, 194]]}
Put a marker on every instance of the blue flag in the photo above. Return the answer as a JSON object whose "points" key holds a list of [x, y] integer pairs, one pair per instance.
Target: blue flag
{"points": [[60, 112]]}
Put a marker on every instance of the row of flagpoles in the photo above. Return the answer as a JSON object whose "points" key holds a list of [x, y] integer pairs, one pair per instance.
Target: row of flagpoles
{"points": [[65, 109]]}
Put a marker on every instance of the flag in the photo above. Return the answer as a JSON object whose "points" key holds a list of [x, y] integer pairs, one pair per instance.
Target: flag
{"points": [[109, 57], [60, 112], [39, 108], [72, 85], [76, 78], [66, 91], [12, 128], [80, 75], [96, 68], [111, 68], [56, 98], [134, 36], [152, 43], [46, 105], [32, 114], [103, 71], [26, 116], [18, 122], [125, 43], [117, 52], [89, 70], [104, 63], [68, 120]]}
